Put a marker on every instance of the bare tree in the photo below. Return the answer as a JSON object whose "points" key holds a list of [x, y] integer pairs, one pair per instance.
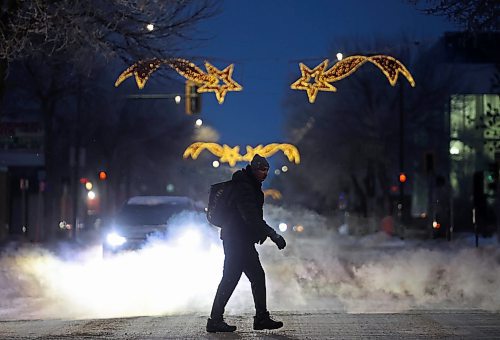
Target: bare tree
{"points": [[60, 45], [349, 140], [78, 29], [472, 15]]}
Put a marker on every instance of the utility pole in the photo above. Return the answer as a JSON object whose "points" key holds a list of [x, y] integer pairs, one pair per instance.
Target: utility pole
{"points": [[76, 160], [401, 207]]}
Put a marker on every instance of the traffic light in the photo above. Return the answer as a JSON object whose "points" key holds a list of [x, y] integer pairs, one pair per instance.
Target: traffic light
{"points": [[402, 177], [491, 179], [193, 98]]}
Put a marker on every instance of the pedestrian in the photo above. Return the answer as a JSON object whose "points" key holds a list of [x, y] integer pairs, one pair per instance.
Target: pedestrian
{"points": [[244, 228]]}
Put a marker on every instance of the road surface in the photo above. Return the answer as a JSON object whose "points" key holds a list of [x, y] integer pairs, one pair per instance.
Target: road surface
{"points": [[455, 324]]}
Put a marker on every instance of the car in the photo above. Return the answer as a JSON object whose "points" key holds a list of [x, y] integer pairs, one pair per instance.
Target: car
{"points": [[142, 217]]}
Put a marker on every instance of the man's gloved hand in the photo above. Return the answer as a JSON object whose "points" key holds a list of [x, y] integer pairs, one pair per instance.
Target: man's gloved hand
{"points": [[279, 240]]}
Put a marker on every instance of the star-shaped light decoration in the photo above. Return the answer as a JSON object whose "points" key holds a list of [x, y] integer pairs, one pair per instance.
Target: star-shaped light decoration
{"points": [[142, 70], [318, 75], [231, 155], [221, 82], [215, 80], [391, 67]]}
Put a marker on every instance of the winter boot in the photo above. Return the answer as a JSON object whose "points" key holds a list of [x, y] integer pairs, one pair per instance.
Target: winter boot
{"points": [[214, 326], [264, 321]]}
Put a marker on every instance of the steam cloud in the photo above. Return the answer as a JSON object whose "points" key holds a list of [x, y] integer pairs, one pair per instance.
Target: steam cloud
{"points": [[319, 270]]}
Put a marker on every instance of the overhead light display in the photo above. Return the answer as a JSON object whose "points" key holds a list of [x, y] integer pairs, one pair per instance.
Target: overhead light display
{"points": [[319, 78], [320, 81], [215, 80], [231, 155]]}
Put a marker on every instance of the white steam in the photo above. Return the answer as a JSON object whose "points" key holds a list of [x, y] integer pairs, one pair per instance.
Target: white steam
{"points": [[319, 270]]}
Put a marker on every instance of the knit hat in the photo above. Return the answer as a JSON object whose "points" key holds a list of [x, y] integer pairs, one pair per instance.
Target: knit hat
{"points": [[259, 162]]}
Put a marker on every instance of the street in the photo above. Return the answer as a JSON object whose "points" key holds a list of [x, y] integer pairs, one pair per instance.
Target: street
{"points": [[450, 324], [321, 288]]}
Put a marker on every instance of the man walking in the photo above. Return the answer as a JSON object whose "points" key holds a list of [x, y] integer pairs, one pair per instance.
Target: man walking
{"points": [[243, 229]]}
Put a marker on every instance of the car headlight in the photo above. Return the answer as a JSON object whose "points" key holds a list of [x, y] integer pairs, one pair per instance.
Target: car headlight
{"points": [[115, 239]]}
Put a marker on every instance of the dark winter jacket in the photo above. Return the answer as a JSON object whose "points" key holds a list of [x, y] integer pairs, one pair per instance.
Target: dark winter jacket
{"points": [[246, 223]]}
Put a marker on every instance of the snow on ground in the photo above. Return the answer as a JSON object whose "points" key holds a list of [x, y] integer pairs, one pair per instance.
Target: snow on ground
{"points": [[319, 270]]}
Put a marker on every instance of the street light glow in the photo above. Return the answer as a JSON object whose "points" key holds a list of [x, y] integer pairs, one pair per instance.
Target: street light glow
{"points": [[177, 99], [339, 56], [454, 150], [150, 27], [199, 122], [215, 164], [284, 168], [88, 185], [91, 195]]}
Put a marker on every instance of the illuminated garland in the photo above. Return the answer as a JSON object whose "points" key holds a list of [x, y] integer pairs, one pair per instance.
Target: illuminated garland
{"points": [[231, 156], [343, 68], [215, 80], [275, 194]]}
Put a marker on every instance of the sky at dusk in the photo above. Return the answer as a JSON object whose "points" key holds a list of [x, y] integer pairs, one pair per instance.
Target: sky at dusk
{"points": [[266, 40]]}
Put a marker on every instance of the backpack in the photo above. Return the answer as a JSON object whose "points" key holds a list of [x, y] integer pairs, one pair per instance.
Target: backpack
{"points": [[219, 203]]}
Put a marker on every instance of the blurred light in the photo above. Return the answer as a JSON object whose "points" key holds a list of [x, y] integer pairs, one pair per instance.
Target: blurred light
{"points": [[64, 225], [102, 175], [402, 177], [277, 172], [298, 228], [199, 122], [88, 185], [436, 225], [454, 150], [283, 227], [215, 164], [170, 187], [284, 168], [177, 99], [340, 56], [150, 27], [84, 180], [91, 195], [115, 240]]}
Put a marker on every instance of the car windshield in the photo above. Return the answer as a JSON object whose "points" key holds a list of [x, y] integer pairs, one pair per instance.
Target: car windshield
{"points": [[137, 214]]}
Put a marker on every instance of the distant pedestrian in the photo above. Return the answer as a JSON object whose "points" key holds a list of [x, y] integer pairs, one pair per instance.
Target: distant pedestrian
{"points": [[243, 229]]}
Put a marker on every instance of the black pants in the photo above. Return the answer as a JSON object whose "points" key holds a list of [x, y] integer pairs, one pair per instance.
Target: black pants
{"points": [[240, 258]]}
